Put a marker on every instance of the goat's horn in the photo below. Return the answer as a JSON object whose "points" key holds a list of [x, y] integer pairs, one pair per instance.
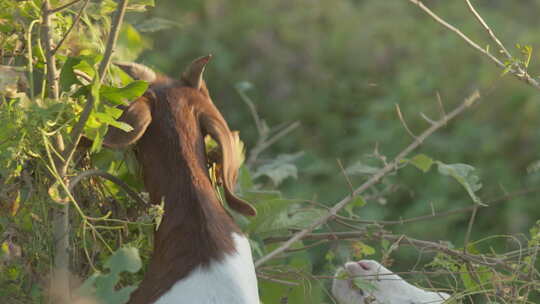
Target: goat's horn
{"points": [[193, 74], [137, 71]]}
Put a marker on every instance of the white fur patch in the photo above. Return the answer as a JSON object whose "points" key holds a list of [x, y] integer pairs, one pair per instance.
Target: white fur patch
{"points": [[230, 281], [389, 288]]}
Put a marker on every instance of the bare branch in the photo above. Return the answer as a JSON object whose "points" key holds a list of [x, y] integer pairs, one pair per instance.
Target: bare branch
{"points": [[264, 144], [373, 180], [516, 71], [111, 178], [488, 29], [403, 122], [265, 277], [63, 7]]}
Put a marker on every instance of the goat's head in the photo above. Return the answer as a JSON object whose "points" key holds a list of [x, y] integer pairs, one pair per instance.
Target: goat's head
{"points": [[202, 118]]}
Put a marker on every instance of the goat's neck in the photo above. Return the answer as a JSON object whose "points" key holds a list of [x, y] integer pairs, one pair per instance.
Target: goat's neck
{"points": [[195, 229]]}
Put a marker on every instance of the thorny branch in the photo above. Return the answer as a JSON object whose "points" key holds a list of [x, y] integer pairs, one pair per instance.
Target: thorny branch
{"points": [[373, 180]]}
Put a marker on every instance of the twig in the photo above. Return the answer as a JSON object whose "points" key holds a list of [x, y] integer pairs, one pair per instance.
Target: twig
{"points": [[488, 29], [264, 144], [518, 73], [265, 277], [347, 179], [403, 122], [63, 7], [441, 106], [469, 228], [111, 178], [320, 242], [113, 37], [373, 180], [75, 22], [253, 111]]}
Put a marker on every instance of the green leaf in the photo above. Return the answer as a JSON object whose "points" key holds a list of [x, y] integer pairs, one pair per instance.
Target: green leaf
{"points": [[102, 287], [124, 259], [107, 118], [130, 43], [67, 76], [483, 275], [280, 168], [85, 67], [357, 202], [363, 284], [422, 162], [269, 216], [121, 95], [361, 250], [465, 175], [245, 182]]}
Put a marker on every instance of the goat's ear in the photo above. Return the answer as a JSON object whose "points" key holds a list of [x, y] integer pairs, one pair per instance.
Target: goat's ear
{"points": [[138, 116], [137, 71], [213, 124], [193, 75]]}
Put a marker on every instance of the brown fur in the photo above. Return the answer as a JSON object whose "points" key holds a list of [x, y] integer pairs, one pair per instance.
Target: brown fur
{"points": [[170, 122]]}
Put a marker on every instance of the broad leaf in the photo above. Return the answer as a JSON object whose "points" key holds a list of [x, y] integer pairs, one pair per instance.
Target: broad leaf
{"points": [[122, 95], [280, 168], [465, 175], [102, 287]]}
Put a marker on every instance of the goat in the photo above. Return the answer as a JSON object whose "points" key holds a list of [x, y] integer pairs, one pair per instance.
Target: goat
{"points": [[200, 255], [386, 286]]}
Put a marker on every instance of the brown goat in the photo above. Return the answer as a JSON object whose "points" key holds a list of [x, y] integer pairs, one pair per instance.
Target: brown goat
{"points": [[200, 255]]}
